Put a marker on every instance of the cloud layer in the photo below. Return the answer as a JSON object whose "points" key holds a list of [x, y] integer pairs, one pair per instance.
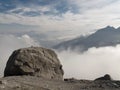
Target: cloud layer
{"points": [[94, 63], [79, 16]]}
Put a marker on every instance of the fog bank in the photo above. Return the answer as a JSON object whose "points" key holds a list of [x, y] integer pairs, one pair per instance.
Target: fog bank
{"points": [[91, 64]]}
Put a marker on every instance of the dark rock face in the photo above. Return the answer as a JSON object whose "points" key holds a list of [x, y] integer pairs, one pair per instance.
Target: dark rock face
{"points": [[106, 77], [34, 61]]}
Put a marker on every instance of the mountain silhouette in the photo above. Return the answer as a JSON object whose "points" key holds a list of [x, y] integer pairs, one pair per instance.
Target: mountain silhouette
{"points": [[108, 36]]}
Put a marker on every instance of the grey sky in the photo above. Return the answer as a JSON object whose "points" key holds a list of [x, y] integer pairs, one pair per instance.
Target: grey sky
{"points": [[78, 16]]}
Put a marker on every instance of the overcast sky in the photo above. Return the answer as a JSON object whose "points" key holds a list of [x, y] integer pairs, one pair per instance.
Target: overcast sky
{"points": [[59, 15]]}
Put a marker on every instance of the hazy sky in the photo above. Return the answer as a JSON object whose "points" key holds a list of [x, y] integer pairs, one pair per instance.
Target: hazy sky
{"points": [[59, 15]]}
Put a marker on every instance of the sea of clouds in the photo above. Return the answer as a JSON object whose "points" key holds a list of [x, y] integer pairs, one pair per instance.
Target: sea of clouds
{"points": [[91, 64]]}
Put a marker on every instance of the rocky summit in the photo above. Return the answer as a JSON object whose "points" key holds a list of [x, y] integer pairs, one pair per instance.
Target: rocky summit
{"points": [[34, 61]]}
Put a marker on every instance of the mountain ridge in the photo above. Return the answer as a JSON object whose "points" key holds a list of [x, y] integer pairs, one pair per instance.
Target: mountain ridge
{"points": [[108, 36]]}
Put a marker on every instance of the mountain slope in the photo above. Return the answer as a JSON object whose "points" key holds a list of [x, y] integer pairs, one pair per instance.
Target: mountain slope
{"points": [[108, 36]]}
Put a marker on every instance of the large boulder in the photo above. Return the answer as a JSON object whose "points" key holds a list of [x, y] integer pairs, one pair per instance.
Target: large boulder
{"points": [[34, 61]]}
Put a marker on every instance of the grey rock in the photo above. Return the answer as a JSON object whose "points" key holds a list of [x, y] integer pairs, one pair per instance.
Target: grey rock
{"points": [[3, 82], [34, 61], [105, 77]]}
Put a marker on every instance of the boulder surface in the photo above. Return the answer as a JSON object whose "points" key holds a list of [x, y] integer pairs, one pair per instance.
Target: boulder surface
{"points": [[34, 61]]}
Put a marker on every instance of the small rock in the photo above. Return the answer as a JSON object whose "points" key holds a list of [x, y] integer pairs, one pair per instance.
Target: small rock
{"points": [[106, 77], [3, 82], [71, 80]]}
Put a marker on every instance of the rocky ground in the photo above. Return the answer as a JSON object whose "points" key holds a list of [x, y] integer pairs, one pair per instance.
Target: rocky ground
{"points": [[35, 83]]}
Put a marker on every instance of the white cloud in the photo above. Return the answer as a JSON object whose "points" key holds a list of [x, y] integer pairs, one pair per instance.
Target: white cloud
{"points": [[92, 64], [92, 4], [9, 43], [93, 14], [28, 40]]}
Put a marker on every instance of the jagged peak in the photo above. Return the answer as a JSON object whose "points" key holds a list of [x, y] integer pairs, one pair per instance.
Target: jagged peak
{"points": [[109, 27]]}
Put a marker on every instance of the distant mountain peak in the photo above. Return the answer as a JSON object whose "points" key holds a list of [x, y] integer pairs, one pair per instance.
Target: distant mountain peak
{"points": [[109, 26], [108, 36]]}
